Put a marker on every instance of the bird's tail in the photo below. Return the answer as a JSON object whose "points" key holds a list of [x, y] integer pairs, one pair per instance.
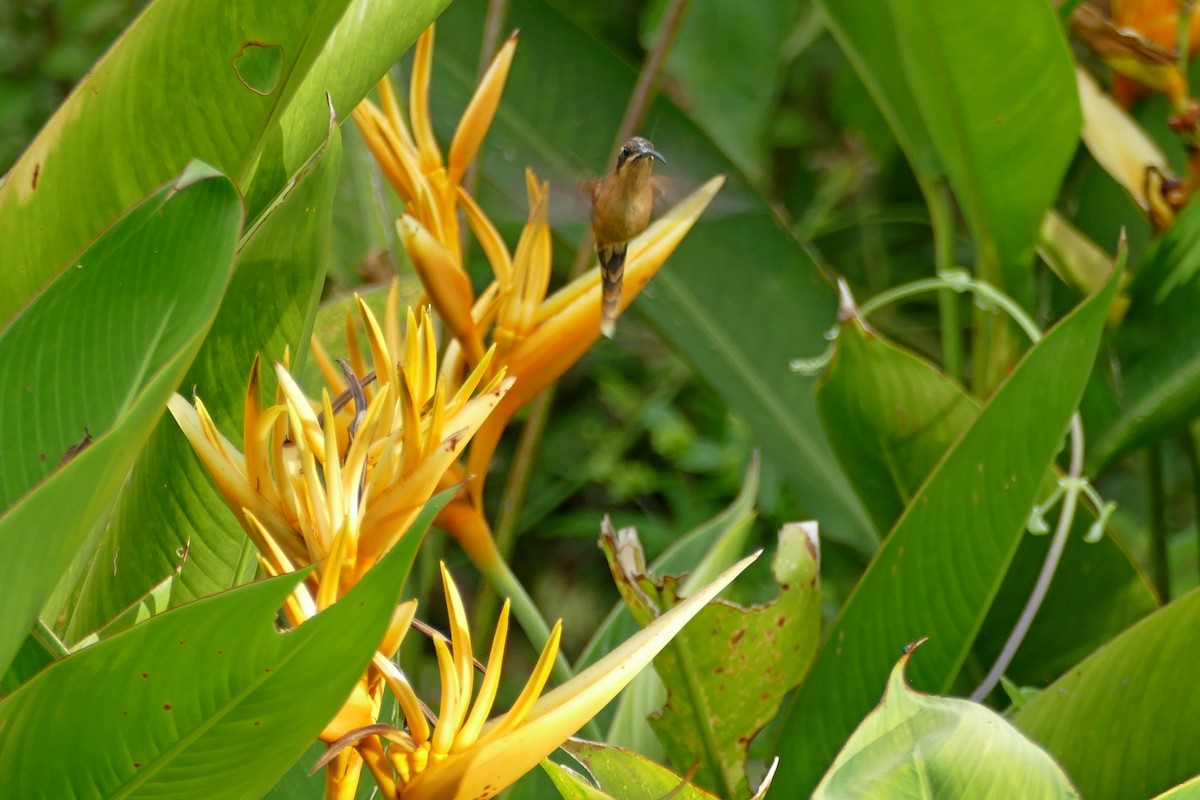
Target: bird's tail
{"points": [[612, 268]]}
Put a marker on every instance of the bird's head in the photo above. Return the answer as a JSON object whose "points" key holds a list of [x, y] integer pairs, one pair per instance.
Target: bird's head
{"points": [[637, 150]]}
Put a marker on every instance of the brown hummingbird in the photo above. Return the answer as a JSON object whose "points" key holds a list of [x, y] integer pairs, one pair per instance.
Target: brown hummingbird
{"points": [[621, 206]]}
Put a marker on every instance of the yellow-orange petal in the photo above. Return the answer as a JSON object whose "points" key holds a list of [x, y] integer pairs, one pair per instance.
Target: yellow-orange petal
{"points": [[482, 771], [401, 623], [531, 271], [391, 110], [477, 117], [395, 157], [460, 638], [410, 704], [418, 100], [394, 508], [448, 286], [356, 712], [524, 703], [489, 239], [231, 481], [468, 732], [569, 323]]}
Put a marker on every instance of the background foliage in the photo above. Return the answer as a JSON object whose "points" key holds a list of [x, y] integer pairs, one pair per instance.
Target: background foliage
{"points": [[878, 143]]}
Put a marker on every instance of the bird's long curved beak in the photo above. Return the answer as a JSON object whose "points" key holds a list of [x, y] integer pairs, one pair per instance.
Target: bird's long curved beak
{"points": [[653, 154]]}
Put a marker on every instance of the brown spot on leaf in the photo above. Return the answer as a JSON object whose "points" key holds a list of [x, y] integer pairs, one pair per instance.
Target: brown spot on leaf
{"points": [[737, 636], [37, 171], [76, 448]]}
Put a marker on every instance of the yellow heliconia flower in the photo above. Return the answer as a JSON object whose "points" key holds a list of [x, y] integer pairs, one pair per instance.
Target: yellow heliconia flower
{"points": [[339, 486], [535, 338], [430, 187], [465, 756], [337, 482]]}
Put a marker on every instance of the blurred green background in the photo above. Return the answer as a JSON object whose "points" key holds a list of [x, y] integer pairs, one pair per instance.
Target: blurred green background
{"points": [[634, 432]]}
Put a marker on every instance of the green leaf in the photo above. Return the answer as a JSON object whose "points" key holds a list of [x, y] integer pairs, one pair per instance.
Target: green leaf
{"points": [[1094, 718], [896, 415], [893, 416], [174, 88], [916, 745], [156, 601], [964, 89], [703, 313], [730, 69], [713, 545], [940, 567], [995, 86], [728, 672], [1158, 346], [101, 348], [724, 534], [171, 502], [207, 700], [620, 773], [39, 650], [866, 32], [1189, 790]]}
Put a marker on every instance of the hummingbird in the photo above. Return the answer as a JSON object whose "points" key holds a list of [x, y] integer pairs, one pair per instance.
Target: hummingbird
{"points": [[621, 204]]}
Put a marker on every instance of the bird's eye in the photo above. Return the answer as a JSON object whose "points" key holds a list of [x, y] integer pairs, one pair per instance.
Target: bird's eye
{"points": [[626, 151]]}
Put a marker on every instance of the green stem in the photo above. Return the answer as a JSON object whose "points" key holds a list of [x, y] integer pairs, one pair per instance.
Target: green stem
{"points": [[516, 489], [1188, 442], [1160, 568], [1072, 485], [949, 320], [530, 620]]}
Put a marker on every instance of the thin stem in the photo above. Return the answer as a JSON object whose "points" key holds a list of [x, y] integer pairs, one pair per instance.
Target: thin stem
{"points": [[493, 25], [1072, 484], [530, 620], [1188, 443], [942, 220], [955, 280], [959, 282], [1160, 568], [639, 101], [516, 489], [502, 578]]}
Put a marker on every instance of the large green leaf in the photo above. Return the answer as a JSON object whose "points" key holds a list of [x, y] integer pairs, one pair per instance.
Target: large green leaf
{"points": [[100, 348], [1123, 722], [170, 499], [939, 569], [729, 671], [895, 415], [701, 554], [1158, 346], [866, 32], [898, 415], [985, 95], [619, 773], [730, 68], [995, 85], [917, 745], [207, 700], [237, 84], [740, 298], [1188, 790]]}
